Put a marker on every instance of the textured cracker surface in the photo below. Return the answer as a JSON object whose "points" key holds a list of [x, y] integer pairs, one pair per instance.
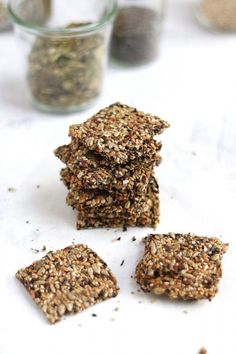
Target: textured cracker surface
{"points": [[110, 168], [75, 155], [68, 281], [181, 266], [119, 132], [148, 215]]}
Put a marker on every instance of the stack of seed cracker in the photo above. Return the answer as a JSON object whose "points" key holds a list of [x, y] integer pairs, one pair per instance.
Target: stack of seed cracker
{"points": [[110, 163]]}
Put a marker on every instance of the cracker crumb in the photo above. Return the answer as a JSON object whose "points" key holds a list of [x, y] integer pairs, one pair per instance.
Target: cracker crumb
{"points": [[34, 250], [202, 351], [116, 239]]}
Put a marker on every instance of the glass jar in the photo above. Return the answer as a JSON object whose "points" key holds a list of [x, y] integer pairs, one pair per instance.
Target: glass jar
{"points": [[218, 14], [66, 49], [136, 32], [4, 20]]}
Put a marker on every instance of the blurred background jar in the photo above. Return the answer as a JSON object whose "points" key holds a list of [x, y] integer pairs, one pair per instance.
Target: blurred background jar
{"points": [[66, 49], [5, 23], [137, 30], [218, 14]]}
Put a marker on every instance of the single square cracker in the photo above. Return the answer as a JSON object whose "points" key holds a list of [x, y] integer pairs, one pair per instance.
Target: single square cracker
{"points": [[68, 281], [119, 132], [181, 266], [76, 156], [123, 178]]}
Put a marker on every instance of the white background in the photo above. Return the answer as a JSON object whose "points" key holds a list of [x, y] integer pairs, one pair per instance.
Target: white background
{"points": [[193, 86]]}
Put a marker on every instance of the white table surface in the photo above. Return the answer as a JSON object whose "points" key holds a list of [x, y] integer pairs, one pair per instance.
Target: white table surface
{"points": [[193, 86]]}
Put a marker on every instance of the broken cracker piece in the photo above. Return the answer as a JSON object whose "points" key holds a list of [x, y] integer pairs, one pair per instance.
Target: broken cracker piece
{"points": [[68, 281], [181, 266]]}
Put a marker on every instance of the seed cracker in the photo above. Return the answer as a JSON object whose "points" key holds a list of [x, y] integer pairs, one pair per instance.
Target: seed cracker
{"points": [[77, 156], [147, 216], [119, 132], [68, 281], [90, 204], [181, 266], [123, 178], [80, 198]]}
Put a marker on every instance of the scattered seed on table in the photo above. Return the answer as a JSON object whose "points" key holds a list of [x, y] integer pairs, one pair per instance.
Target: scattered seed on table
{"points": [[116, 239]]}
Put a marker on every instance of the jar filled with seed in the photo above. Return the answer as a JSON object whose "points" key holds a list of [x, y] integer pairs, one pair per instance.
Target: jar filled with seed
{"points": [[4, 20], [218, 14], [66, 50], [137, 30]]}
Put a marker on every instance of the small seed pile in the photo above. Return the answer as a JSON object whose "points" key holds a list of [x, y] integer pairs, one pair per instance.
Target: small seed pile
{"points": [[220, 13], [109, 171], [66, 72], [181, 266], [68, 281]]}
